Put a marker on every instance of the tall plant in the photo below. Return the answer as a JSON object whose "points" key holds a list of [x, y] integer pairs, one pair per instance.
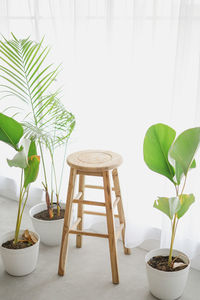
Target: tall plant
{"points": [[172, 158], [26, 158], [26, 76]]}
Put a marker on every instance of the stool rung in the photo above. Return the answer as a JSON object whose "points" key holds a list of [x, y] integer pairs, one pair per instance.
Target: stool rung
{"points": [[97, 187], [87, 202], [78, 196], [88, 173], [75, 224], [118, 232], [116, 202], [88, 212], [88, 233]]}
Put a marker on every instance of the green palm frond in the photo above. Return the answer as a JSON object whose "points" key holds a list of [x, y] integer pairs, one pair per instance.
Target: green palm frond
{"points": [[26, 76]]}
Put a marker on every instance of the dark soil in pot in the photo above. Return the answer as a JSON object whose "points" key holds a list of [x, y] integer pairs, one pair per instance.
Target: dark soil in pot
{"points": [[19, 245], [44, 215], [161, 263]]}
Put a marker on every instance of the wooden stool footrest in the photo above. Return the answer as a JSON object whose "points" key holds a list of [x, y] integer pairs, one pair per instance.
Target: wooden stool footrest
{"points": [[97, 213], [87, 202], [97, 187], [88, 233]]}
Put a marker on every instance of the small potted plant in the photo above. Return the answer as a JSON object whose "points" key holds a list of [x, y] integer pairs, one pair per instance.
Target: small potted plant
{"points": [[28, 77], [19, 249], [167, 269]]}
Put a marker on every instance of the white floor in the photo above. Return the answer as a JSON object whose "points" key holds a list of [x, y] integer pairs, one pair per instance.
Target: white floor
{"points": [[88, 273]]}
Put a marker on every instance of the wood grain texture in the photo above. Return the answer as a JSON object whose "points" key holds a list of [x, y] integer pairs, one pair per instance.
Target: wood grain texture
{"points": [[120, 208], [111, 228], [94, 160], [80, 210], [67, 218]]}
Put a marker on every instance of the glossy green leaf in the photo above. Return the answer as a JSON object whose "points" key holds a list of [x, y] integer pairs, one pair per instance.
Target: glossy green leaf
{"points": [[32, 149], [184, 148], [10, 131], [168, 206], [157, 143], [31, 171], [186, 202], [179, 171]]}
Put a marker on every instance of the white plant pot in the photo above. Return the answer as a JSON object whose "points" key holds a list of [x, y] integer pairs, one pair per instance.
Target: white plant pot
{"points": [[50, 231], [19, 262], [167, 285]]}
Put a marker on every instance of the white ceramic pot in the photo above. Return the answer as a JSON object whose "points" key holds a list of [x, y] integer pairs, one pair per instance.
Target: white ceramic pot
{"points": [[166, 285], [50, 231], [19, 262]]}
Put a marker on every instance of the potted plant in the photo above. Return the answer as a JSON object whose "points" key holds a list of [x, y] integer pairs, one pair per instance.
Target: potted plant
{"points": [[19, 249], [26, 75], [167, 269]]}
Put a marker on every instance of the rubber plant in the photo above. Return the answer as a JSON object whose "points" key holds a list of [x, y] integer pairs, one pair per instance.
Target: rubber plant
{"points": [[28, 77], [26, 158], [172, 158]]}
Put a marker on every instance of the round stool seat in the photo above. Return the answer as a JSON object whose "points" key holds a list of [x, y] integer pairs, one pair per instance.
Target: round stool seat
{"points": [[94, 160]]}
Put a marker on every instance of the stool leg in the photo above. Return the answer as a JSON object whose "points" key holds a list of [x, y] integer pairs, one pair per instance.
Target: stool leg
{"points": [[120, 208], [80, 210], [66, 226], [111, 228]]}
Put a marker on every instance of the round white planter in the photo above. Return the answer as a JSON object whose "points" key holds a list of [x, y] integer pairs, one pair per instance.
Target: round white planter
{"points": [[19, 262], [50, 231], [166, 285]]}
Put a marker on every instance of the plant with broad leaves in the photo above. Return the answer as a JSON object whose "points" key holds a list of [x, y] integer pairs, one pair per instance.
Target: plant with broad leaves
{"points": [[26, 76], [172, 158], [26, 158]]}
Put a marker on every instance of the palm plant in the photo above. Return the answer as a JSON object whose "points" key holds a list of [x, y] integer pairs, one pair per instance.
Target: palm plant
{"points": [[27, 77]]}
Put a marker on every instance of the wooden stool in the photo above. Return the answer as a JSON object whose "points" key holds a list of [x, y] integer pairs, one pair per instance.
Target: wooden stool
{"points": [[94, 163]]}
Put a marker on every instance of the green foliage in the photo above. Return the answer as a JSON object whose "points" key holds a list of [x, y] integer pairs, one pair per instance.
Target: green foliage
{"points": [[26, 158], [31, 171], [10, 131], [157, 143], [185, 148], [26, 76], [175, 205], [168, 206], [159, 148], [186, 202]]}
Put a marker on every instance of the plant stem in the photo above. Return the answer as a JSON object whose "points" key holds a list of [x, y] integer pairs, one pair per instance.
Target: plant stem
{"points": [[54, 171], [27, 193], [175, 222], [63, 164], [43, 164], [19, 211], [172, 240]]}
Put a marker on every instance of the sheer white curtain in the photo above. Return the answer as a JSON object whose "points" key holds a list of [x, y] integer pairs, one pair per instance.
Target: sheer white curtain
{"points": [[126, 64]]}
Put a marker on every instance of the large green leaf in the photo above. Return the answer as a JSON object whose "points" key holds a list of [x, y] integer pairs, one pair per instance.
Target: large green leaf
{"points": [[179, 170], [168, 206], [10, 131], [186, 202], [157, 143], [31, 171], [185, 147]]}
